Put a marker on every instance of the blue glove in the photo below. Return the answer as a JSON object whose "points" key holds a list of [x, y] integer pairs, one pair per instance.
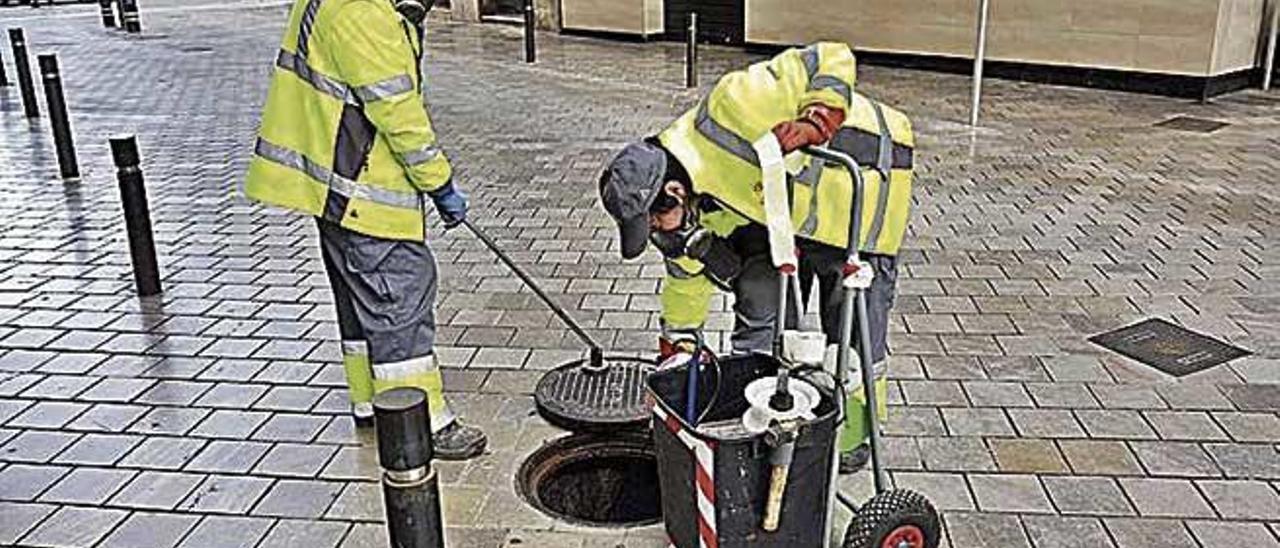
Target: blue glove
{"points": [[451, 203]]}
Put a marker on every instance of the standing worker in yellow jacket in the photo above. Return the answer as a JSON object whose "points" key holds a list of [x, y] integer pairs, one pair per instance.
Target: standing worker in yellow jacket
{"points": [[346, 138], [695, 191]]}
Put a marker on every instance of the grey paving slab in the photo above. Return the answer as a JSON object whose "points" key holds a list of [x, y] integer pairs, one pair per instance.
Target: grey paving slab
{"points": [[1166, 498], [98, 449], [318, 534], [230, 424], [1027, 455], [1046, 423], [1096, 496], [1250, 427], [372, 535], [1181, 459], [232, 395], [299, 499], [106, 417], [1065, 532], [1115, 424], [1246, 461], [48, 415], [358, 502], [1010, 493], [985, 530], [18, 518], [87, 486], [295, 460], [946, 491], [1185, 425], [227, 532], [226, 494], [231, 457], [1149, 533], [36, 446], [955, 454], [162, 453], [1243, 500], [291, 427], [24, 482], [74, 527], [116, 390], [152, 490], [148, 530], [1227, 534]]}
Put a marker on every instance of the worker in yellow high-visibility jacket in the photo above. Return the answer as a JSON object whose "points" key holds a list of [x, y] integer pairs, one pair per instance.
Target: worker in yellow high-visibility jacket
{"points": [[695, 191], [346, 138]]}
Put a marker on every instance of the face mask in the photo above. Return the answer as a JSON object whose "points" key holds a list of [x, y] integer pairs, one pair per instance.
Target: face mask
{"points": [[415, 11]]}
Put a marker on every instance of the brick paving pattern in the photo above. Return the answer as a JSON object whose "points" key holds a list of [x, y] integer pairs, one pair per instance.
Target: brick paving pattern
{"points": [[212, 416]]}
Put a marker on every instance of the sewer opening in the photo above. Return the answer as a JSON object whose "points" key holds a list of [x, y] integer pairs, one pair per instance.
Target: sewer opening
{"points": [[608, 481]]}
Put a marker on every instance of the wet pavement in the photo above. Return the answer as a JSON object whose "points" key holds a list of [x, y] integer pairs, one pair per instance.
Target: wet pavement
{"points": [[213, 416]]}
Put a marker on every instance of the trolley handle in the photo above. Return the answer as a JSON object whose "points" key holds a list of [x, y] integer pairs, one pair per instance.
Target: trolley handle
{"points": [[859, 191]]}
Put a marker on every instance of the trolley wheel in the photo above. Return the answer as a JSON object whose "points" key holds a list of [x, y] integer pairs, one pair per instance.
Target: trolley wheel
{"points": [[895, 519]]}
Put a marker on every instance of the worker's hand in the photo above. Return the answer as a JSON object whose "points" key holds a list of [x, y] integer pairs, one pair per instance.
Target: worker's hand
{"points": [[451, 203], [815, 126], [677, 348]]}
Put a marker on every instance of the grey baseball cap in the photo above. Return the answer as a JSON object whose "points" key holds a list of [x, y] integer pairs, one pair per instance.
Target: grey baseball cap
{"points": [[628, 187]]}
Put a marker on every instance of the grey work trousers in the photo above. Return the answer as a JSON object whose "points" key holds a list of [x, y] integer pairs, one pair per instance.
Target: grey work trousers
{"points": [[755, 292], [384, 291]]}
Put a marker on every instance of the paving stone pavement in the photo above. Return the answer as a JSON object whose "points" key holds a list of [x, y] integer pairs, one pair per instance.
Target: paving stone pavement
{"points": [[211, 416]]}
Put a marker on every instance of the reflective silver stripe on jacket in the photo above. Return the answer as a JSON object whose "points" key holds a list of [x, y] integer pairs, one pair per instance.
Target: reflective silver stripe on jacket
{"points": [[809, 56], [420, 156], [884, 164], [724, 137], [385, 89], [324, 84], [810, 177], [298, 162], [832, 83]]}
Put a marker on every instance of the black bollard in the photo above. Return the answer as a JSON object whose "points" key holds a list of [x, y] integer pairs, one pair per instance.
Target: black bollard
{"points": [[410, 487], [23, 64], [58, 118], [129, 16], [137, 216], [691, 53], [108, 14], [530, 49]]}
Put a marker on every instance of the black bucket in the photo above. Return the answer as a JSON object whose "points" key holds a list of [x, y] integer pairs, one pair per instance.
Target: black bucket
{"points": [[736, 489]]}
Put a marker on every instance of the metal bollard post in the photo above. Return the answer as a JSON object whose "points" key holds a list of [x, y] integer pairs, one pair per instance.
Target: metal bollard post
{"points": [[691, 53], [530, 49], [410, 487], [137, 216], [108, 14], [23, 64], [58, 117], [129, 16]]}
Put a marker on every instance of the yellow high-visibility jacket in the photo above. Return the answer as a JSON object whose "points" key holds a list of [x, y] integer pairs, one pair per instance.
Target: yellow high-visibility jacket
{"points": [[713, 143], [345, 133]]}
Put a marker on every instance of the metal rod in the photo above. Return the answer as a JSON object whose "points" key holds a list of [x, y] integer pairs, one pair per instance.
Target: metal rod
{"points": [[4, 76], [979, 59], [58, 118], [108, 14], [137, 216], [129, 16], [1269, 66], [691, 53], [530, 49], [23, 64], [596, 352], [869, 392], [410, 486]]}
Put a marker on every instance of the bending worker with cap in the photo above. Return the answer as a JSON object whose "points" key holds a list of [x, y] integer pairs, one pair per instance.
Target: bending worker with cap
{"points": [[346, 138], [695, 191]]}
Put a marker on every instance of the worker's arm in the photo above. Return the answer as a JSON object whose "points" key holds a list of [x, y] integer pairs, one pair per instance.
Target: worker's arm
{"points": [[830, 71], [376, 57], [686, 301]]}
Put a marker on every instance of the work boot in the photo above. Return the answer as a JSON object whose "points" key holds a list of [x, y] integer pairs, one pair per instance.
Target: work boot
{"points": [[459, 442], [855, 460]]}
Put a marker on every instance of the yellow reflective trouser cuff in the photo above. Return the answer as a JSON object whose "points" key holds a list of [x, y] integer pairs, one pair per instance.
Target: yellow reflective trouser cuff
{"points": [[421, 373], [856, 431], [355, 361]]}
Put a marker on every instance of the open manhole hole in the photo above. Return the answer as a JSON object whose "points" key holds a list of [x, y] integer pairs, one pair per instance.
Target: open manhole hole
{"points": [[602, 481]]}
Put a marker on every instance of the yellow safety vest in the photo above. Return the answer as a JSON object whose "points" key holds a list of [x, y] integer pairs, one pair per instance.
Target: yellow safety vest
{"points": [[345, 134]]}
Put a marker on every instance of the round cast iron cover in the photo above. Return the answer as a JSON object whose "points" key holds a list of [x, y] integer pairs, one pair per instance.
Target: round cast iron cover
{"points": [[581, 400]]}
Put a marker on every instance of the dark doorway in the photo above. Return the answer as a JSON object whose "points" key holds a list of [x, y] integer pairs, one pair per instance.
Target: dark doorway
{"points": [[719, 21], [502, 8]]}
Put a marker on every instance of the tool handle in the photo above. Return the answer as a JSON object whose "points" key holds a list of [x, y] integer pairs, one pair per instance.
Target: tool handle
{"points": [[597, 355], [773, 508]]}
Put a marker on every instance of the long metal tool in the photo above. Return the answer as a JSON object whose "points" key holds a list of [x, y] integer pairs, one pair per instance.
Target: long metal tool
{"points": [[979, 60], [597, 354], [1269, 66]]}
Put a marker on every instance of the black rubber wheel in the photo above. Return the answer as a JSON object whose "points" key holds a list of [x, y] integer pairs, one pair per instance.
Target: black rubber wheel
{"points": [[895, 519]]}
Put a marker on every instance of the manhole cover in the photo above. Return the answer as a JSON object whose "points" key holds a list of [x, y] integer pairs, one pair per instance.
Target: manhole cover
{"points": [[1192, 124], [1169, 348], [578, 399], [594, 480]]}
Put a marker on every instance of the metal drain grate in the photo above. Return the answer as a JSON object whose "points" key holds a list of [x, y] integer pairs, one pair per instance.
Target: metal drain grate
{"points": [[1172, 349], [1192, 124], [580, 400]]}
